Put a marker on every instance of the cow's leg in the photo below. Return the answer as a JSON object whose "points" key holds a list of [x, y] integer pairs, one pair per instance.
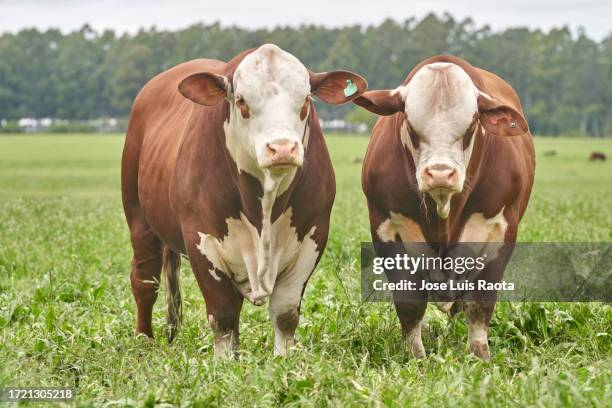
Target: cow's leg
{"points": [[223, 303], [409, 305], [146, 269], [410, 315], [499, 237], [284, 306], [224, 320], [284, 310], [223, 306], [478, 317]]}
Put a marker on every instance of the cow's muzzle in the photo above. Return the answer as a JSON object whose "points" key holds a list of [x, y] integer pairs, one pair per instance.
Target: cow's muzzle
{"points": [[441, 180], [440, 177], [282, 153]]}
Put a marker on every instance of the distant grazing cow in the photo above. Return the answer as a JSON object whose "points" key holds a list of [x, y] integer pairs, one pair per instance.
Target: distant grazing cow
{"points": [[240, 182], [597, 156], [550, 153], [451, 161]]}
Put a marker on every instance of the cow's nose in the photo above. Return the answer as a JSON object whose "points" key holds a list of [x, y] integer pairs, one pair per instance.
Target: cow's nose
{"points": [[440, 176], [282, 152]]}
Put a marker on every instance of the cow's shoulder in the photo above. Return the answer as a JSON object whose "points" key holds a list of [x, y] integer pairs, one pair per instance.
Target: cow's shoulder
{"points": [[384, 153]]}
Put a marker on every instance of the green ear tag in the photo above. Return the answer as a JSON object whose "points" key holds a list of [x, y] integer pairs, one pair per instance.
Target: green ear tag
{"points": [[350, 88]]}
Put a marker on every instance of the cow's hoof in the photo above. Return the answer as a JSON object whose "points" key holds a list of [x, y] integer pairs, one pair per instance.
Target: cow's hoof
{"points": [[481, 350], [418, 352], [257, 298], [143, 336], [416, 348], [260, 301]]}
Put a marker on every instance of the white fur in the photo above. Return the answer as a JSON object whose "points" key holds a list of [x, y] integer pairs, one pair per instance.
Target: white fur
{"points": [[478, 338], [397, 224], [415, 341], [214, 275], [481, 229], [225, 344], [477, 333]]}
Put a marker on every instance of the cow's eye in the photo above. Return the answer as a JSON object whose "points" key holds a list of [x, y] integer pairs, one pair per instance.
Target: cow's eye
{"points": [[242, 105]]}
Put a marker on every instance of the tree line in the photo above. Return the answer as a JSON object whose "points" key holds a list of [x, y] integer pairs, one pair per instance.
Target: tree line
{"points": [[563, 79]]}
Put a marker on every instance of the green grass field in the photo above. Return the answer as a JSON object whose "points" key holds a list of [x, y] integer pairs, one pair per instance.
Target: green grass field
{"points": [[67, 313]]}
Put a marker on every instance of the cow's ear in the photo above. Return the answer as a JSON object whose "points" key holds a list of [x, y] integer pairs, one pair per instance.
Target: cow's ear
{"points": [[337, 87], [500, 119], [205, 88], [382, 102]]}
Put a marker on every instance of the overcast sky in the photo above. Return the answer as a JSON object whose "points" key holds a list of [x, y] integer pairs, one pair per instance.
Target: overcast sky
{"points": [[130, 15]]}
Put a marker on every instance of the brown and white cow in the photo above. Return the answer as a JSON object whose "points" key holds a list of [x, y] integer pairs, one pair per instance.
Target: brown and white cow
{"points": [[451, 160], [240, 182]]}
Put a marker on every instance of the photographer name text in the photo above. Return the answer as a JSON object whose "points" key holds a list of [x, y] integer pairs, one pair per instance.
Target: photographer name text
{"points": [[408, 285]]}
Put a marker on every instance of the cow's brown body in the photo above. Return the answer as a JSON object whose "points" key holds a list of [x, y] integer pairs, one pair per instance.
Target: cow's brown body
{"points": [[499, 176], [178, 180]]}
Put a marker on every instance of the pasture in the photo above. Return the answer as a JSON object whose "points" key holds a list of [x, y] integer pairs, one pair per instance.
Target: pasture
{"points": [[67, 312]]}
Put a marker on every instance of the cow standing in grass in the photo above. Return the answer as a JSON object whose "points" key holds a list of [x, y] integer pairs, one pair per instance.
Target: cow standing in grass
{"points": [[451, 160], [225, 163]]}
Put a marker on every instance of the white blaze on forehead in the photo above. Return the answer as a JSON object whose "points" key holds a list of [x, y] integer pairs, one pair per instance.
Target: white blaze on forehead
{"points": [[441, 100]]}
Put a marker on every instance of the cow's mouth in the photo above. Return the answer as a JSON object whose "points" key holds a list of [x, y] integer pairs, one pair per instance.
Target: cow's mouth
{"points": [[281, 166]]}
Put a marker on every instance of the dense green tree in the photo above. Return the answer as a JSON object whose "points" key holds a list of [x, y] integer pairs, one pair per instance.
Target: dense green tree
{"points": [[563, 79]]}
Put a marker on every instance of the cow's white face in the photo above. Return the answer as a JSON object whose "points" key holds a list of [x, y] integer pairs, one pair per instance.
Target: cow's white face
{"points": [[269, 98], [270, 106], [441, 104], [444, 111]]}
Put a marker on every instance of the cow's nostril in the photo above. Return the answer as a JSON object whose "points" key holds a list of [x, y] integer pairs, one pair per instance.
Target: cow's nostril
{"points": [[270, 148], [294, 148], [451, 173]]}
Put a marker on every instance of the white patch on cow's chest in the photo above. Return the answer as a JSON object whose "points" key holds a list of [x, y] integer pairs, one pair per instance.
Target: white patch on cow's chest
{"points": [[397, 224], [481, 229], [255, 261], [485, 235]]}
